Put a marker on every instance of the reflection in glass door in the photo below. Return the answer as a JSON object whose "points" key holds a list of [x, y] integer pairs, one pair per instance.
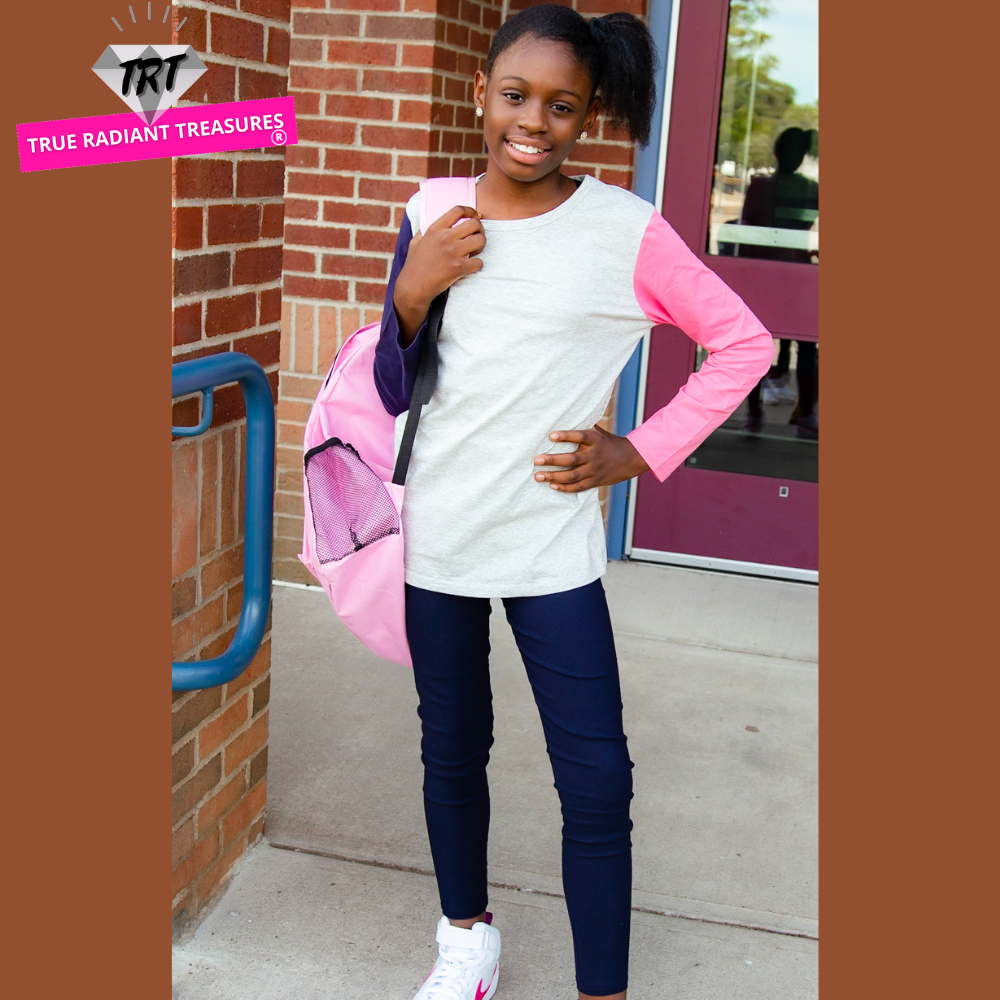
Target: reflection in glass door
{"points": [[765, 189], [775, 431], [765, 205]]}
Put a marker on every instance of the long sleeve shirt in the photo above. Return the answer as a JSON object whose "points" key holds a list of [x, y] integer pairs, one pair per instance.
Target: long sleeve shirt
{"points": [[533, 343]]}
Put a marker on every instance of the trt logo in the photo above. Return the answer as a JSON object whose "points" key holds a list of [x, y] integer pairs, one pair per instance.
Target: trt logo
{"points": [[150, 78]]}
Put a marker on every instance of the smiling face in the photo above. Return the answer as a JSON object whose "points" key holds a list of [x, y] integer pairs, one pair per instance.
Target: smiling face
{"points": [[536, 103]]}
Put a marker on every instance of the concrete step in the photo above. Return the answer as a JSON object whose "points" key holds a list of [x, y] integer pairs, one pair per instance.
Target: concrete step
{"points": [[719, 681]]}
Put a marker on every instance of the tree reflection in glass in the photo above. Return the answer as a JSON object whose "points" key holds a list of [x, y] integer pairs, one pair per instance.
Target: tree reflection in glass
{"points": [[765, 192]]}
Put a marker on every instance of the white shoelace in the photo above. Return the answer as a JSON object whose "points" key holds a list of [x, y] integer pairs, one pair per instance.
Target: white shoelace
{"points": [[451, 979]]}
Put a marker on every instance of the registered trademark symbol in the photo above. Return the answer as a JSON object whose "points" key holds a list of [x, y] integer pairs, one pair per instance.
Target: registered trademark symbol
{"points": [[278, 137]]}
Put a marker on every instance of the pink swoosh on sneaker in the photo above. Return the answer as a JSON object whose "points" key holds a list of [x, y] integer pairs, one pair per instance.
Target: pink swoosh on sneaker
{"points": [[480, 992]]}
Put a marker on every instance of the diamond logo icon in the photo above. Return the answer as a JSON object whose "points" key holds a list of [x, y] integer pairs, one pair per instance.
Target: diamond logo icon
{"points": [[150, 79]]}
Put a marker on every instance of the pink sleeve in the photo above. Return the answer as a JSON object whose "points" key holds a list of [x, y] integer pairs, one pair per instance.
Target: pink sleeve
{"points": [[672, 286]]}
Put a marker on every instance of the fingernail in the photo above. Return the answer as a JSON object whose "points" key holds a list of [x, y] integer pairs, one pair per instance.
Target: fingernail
{"points": [[553, 437], [540, 477], [553, 485]]}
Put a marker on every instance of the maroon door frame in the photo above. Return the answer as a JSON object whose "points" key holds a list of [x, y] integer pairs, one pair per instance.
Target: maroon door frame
{"points": [[721, 519]]}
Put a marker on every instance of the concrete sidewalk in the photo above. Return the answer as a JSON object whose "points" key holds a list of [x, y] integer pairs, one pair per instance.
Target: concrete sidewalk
{"points": [[719, 681]]}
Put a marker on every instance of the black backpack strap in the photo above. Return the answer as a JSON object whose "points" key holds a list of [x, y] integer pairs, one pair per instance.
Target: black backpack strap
{"points": [[423, 388]]}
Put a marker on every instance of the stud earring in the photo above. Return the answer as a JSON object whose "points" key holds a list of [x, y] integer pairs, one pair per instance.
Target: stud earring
{"points": [[583, 135], [479, 112]]}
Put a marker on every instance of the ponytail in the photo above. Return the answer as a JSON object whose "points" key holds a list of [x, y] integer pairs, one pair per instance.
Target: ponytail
{"points": [[616, 50], [628, 68]]}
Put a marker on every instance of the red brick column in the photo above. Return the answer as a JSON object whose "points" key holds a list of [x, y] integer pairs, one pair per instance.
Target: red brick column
{"points": [[383, 95], [228, 221]]}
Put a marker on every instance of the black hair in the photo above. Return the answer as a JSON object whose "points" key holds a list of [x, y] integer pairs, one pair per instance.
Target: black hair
{"points": [[790, 149], [616, 50]]}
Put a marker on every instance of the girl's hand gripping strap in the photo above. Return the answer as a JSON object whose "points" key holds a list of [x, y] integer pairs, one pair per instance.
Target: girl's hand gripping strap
{"points": [[437, 196]]}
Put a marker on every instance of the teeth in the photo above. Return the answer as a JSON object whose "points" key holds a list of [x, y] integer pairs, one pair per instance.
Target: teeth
{"points": [[525, 149]]}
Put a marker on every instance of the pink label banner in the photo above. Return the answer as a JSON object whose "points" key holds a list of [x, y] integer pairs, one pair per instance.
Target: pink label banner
{"points": [[187, 131]]}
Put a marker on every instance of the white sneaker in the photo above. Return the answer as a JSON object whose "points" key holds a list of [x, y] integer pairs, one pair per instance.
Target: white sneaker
{"points": [[468, 965], [774, 392]]}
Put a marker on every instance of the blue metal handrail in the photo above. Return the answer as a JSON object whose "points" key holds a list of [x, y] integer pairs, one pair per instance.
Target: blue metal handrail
{"points": [[203, 375]]}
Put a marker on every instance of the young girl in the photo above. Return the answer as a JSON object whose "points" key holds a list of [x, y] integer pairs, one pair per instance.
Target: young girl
{"points": [[553, 281]]}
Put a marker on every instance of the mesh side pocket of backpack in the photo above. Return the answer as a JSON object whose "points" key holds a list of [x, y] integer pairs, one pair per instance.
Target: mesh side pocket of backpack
{"points": [[350, 506]]}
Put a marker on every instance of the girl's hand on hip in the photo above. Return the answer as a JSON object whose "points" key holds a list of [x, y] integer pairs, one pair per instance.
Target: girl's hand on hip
{"points": [[435, 260], [601, 459]]}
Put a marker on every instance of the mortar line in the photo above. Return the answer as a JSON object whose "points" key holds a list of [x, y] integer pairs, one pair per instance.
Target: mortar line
{"points": [[414, 870]]}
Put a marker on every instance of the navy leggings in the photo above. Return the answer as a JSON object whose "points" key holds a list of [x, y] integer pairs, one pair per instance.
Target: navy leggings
{"points": [[568, 651]]}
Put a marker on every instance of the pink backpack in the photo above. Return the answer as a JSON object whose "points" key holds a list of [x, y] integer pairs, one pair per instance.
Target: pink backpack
{"points": [[352, 539]]}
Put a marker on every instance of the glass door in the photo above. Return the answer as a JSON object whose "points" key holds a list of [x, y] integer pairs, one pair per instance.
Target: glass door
{"points": [[742, 189]]}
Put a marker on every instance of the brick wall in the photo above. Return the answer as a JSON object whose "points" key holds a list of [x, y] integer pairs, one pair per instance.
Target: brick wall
{"points": [[383, 97], [228, 219]]}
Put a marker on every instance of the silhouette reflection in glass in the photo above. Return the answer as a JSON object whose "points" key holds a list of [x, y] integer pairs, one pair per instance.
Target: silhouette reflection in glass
{"points": [[786, 199]]}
